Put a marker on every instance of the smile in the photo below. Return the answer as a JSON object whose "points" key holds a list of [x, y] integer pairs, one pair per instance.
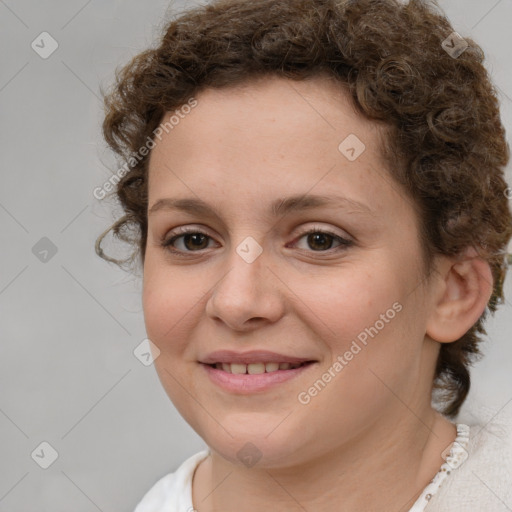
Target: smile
{"points": [[255, 368], [245, 379]]}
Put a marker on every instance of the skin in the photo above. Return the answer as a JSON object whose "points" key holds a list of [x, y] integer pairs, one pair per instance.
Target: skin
{"points": [[370, 439]]}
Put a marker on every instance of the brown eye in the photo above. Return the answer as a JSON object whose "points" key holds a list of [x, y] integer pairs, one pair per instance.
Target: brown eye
{"points": [[320, 241], [190, 241], [195, 241]]}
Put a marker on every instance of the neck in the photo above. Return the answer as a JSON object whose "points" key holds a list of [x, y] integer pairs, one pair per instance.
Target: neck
{"points": [[385, 468]]}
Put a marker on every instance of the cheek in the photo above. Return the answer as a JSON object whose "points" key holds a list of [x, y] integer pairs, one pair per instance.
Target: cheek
{"points": [[344, 304], [169, 300], [364, 318], [368, 317]]}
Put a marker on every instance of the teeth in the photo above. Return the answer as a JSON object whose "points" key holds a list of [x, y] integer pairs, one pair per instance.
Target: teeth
{"points": [[255, 368], [238, 368], [271, 367]]}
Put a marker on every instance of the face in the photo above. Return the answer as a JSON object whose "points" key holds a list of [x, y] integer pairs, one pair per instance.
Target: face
{"points": [[275, 236]]}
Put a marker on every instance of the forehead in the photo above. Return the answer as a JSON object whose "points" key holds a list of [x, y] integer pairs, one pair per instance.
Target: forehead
{"points": [[278, 113], [273, 135]]}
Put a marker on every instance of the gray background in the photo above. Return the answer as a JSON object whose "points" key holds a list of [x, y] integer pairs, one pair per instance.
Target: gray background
{"points": [[68, 326]]}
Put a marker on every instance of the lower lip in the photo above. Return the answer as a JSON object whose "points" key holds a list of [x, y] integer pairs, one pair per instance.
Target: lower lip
{"points": [[244, 384]]}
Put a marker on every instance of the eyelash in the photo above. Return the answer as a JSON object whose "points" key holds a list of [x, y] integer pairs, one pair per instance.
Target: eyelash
{"points": [[344, 243]]}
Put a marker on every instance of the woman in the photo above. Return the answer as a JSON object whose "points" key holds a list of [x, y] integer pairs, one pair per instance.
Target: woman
{"points": [[315, 190]]}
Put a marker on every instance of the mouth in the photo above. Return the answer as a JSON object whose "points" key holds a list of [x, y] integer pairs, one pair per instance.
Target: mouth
{"points": [[257, 368], [253, 372]]}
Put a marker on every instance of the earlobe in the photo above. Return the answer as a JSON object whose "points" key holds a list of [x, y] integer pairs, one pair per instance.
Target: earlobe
{"points": [[465, 288]]}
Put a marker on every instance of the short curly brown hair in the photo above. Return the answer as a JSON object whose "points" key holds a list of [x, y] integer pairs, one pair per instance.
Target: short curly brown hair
{"points": [[445, 145]]}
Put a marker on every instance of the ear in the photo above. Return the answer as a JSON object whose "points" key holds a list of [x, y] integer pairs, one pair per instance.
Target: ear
{"points": [[463, 289]]}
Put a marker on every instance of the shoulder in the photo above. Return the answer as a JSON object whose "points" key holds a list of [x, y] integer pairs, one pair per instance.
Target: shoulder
{"points": [[173, 491], [483, 481]]}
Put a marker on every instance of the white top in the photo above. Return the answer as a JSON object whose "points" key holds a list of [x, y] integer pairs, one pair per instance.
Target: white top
{"points": [[476, 477]]}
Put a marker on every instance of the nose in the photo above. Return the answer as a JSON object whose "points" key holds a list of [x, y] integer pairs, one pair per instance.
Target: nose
{"points": [[248, 296]]}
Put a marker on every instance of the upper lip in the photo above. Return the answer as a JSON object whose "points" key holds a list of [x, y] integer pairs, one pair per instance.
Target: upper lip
{"points": [[253, 356]]}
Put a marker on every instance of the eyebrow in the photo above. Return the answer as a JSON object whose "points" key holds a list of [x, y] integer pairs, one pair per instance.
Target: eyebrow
{"points": [[278, 207]]}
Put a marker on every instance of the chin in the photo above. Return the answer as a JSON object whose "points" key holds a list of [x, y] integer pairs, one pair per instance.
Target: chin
{"points": [[257, 448]]}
